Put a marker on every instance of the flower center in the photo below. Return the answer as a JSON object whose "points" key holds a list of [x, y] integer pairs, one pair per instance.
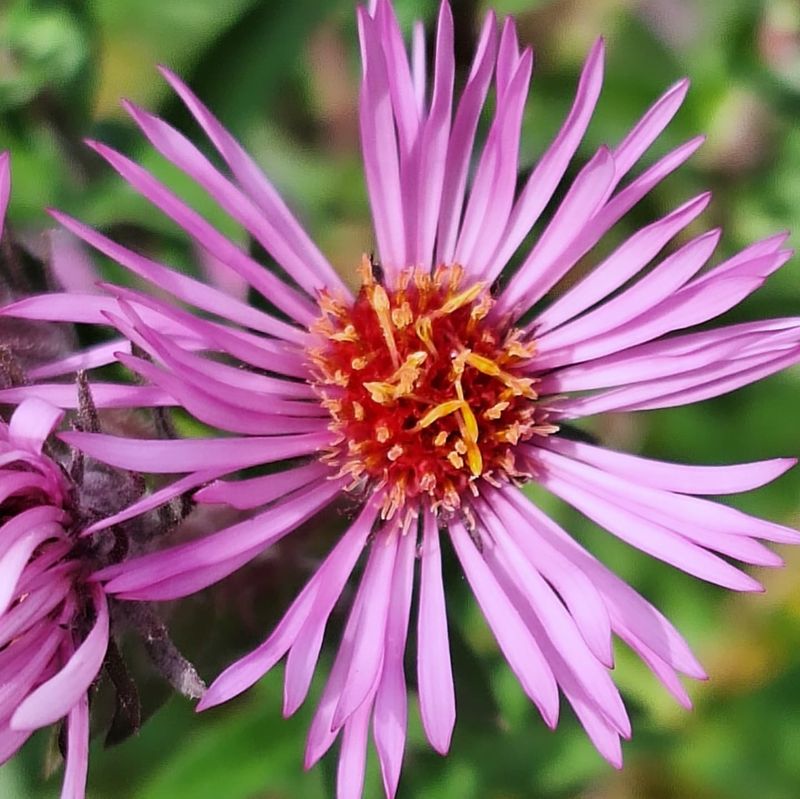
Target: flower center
{"points": [[427, 396]]}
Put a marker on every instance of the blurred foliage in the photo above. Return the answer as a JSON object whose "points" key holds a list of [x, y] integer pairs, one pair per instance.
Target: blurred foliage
{"points": [[283, 77]]}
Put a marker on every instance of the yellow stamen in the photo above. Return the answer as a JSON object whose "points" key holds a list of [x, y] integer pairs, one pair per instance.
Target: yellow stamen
{"points": [[424, 330], [382, 393], [439, 412], [402, 316], [348, 334], [496, 411], [379, 300], [460, 300], [456, 460]]}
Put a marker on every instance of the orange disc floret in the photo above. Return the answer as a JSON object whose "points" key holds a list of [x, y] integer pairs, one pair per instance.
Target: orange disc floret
{"points": [[427, 396]]}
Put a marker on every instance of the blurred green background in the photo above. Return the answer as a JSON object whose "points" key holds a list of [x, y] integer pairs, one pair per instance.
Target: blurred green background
{"points": [[283, 76]]}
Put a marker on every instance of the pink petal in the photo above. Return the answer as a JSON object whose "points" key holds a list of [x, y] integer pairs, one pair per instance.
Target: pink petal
{"points": [[74, 785], [535, 600], [684, 479], [336, 571], [649, 127], [181, 286], [152, 501], [576, 590], [245, 672], [105, 395], [186, 455], [369, 644], [658, 285], [59, 695], [404, 102], [353, 756], [176, 148], [437, 702], [271, 287], [250, 536], [379, 148], [550, 169], [391, 702], [433, 145], [322, 734], [90, 358], [542, 269], [621, 265], [260, 190], [518, 646], [32, 422], [256, 491], [35, 607], [14, 559], [689, 307], [648, 536], [633, 618], [462, 139]]}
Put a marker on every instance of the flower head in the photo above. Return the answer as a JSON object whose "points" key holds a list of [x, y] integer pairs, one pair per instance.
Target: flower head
{"points": [[54, 621], [430, 396]]}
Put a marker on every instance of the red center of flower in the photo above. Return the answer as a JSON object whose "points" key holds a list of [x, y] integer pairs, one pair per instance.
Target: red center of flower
{"points": [[427, 397]]}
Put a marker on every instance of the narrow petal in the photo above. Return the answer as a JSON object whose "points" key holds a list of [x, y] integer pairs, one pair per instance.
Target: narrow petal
{"points": [[338, 567], [186, 455], [178, 284], [650, 537], [492, 193], [16, 557], [353, 756], [152, 501], [658, 285], [534, 599], [369, 644], [542, 269], [175, 147], [55, 698], [520, 650], [550, 169], [390, 715], [692, 306], [433, 145], [104, 395], [379, 148], [437, 702], [256, 491], [74, 785], [250, 536], [576, 590], [679, 477], [245, 672], [633, 618], [261, 191], [621, 265], [262, 280], [462, 139], [32, 422]]}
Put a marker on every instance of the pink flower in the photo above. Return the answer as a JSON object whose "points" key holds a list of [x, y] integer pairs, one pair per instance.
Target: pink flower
{"points": [[429, 398], [53, 618]]}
